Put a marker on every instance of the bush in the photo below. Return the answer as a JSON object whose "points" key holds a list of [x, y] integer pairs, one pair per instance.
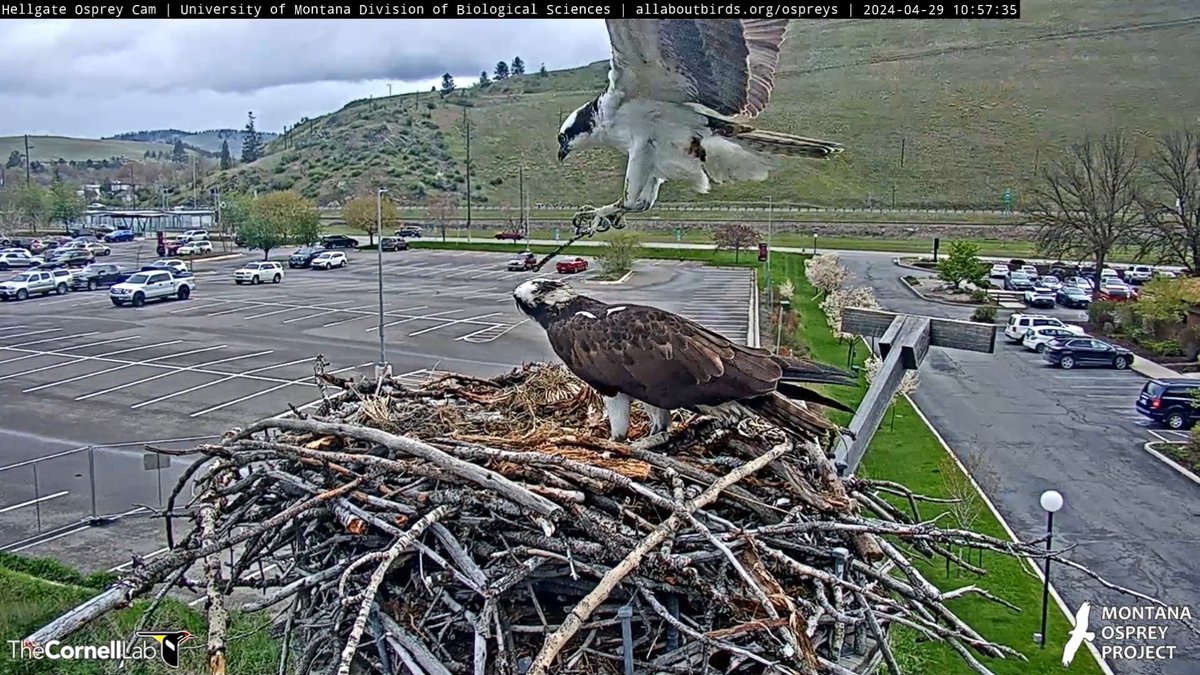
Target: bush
{"points": [[979, 295], [985, 314], [1194, 440], [1101, 312], [1162, 347], [1189, 342], [912, 281], [617, 255]]}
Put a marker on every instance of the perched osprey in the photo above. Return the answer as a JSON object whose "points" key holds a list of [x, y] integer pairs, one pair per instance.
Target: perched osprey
{"points": [[674, 87], [666, 362]]}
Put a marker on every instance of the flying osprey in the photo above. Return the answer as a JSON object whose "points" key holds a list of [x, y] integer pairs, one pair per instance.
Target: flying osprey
{"points": [[666, 362], [674, 87]]}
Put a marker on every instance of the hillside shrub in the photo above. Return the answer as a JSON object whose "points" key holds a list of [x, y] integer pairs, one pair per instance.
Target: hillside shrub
{"points": [[979, 295], [619, 252], [984, 314]]}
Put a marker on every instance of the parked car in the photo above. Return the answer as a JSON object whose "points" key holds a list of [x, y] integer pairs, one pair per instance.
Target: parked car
{"points": [[523, 262], [1170, 402], [1018, 281], [21, 286], [303, 256], [1037, 338], [100, 275], [194, 235], [998, 271], [119, 235], [10, 259], [1139, 274], [571, 266], [329, 260], [393, 244], [1030, 271], [257, 272], [97, 249], [510, 235], [152, 285], [1085, 351], [1116, 290], [409, 231], [1018, 324], [36, 246], [71, 257], [1050, 281], [63, 276], [1039, 296], [339, 241], [1073, 297], [198, 247], [173, 265], [1081, 282]]}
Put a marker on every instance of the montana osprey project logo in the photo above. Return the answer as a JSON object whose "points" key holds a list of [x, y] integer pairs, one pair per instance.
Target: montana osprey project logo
{"points": [[1078, 634]]}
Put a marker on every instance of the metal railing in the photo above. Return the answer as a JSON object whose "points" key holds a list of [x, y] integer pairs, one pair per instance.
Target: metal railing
{"points": [[84, 487]]}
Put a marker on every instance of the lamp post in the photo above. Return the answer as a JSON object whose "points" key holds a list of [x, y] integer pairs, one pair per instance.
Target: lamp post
{"points": [[379, 268], [814, 243], [1051, 502]]}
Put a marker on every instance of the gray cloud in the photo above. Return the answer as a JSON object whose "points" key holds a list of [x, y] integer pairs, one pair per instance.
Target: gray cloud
{"points": [[81, 77]]}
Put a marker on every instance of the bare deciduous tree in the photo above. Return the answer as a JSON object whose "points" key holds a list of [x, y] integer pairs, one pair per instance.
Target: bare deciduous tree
{"points": [[1171, 227], [441, 209], [1087, 201]]}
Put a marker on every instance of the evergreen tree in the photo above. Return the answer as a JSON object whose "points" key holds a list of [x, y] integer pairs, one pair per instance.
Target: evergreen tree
{"points": [[447, 84], [14, 160], [542, 72], [501, 71], [483, 79], [178, 153], [226, 158], [518, 66], [251, 142]]}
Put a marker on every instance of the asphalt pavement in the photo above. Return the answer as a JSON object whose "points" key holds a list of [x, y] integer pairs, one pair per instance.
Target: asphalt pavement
{"points": [[1130, 518], [84, 385]]}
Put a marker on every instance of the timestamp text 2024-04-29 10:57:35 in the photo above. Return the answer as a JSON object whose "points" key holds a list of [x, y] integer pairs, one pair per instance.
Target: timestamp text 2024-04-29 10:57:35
{"points": [[584, 9]]}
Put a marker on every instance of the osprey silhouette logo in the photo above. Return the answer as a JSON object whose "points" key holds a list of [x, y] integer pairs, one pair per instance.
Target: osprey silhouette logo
{"points": [[1078, 634], [170, 644]]}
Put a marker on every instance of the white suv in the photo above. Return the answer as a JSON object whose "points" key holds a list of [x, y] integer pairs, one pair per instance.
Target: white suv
{"points": [[194, 235], [1018, 324], [329, 260], [257, 272]]}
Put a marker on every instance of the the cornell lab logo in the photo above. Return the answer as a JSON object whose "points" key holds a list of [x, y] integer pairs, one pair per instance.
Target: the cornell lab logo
{"points": [[170, 644]]}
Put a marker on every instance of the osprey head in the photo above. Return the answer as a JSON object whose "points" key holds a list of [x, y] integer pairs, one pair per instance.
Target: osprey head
{"points": [[577, 129], [536, 296]]}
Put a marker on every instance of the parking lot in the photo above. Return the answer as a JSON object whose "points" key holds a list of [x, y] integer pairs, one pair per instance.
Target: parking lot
{"points": [[76, 371]]}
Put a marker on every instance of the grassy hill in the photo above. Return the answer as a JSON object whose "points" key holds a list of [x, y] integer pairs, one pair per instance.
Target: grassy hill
{"points": [[208, 141], [974, 106], [50, 148]]}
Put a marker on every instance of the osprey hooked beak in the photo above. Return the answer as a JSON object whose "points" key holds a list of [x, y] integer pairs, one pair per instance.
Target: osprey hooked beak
{"points": [[564, 147]]}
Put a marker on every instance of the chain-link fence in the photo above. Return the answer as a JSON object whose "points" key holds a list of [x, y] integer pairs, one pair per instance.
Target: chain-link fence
{"points": [[47, 496]]}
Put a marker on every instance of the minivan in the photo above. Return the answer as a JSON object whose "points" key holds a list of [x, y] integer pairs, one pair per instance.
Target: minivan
{"points": [[1170, 402]]}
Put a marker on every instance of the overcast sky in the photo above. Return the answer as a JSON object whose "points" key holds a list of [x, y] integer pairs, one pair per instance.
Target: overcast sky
{"points": [[98, 78]]}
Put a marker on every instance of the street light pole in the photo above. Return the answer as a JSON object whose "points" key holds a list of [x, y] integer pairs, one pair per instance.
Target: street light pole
{"points": [[379, 257], [1051, 502]]}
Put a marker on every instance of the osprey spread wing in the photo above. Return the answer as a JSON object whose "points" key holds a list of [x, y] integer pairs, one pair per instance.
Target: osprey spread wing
{"points": [[675, 86], [665, 362]]}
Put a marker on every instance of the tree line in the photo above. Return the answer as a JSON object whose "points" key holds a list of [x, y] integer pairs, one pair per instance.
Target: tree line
{"points": [[502, 71], [38, 207]]}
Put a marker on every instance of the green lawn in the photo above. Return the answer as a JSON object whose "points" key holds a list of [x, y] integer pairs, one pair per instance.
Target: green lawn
{"points": [[33, 594]]}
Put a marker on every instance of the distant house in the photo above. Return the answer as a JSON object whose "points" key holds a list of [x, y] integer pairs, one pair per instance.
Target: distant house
{"points": [[121, 191]]}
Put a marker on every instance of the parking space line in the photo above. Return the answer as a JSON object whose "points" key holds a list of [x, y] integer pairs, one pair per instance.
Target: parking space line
{"points": [[53, 339], [152, 554], [121, 367], [328, 311], [64, 349], [300, 381], [177, 369], [12, 327], [364, 316], [478, 337], [31, 502], [50, 539], [78, 358], [452, 323], [416, 318], [34, 332], [223, 379], [195, 307]]}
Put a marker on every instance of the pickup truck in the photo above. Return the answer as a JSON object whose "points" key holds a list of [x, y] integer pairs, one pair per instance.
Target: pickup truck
{"points": [[522, 263], [152, 285], [571, 266]]}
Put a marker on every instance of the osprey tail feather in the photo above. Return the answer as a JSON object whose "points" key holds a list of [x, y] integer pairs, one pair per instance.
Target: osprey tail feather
{"points": [[775, 143]]}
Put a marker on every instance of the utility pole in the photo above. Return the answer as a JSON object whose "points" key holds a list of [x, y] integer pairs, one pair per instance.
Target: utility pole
{"points": [[467, 129], [521, 201], [379, 272], [389, 89], [27, 161], [195, 204]]}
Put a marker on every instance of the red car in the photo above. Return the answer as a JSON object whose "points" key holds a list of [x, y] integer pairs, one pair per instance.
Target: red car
{"points": [[571, 266], [510, 235]]}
